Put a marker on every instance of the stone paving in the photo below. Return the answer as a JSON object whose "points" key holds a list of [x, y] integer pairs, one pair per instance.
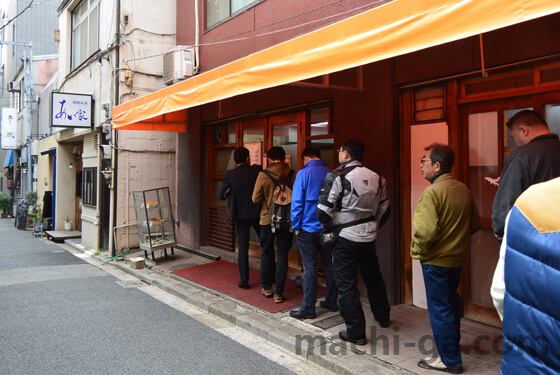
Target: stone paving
{"points": [[392, 350]]}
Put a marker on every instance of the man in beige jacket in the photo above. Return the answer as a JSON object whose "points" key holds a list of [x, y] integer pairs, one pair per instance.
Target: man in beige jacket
{"points": [[273, 271]]}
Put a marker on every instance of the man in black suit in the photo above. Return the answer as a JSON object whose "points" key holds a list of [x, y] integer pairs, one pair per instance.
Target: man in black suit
{"points": [[238, 188]]}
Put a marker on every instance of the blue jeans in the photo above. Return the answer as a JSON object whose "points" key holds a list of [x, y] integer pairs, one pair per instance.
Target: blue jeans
{"points": [[444, 307], [271, 270], [310, 249]]}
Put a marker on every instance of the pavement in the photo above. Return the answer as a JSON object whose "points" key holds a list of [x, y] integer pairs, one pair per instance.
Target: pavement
{"points": [[392, 350]]}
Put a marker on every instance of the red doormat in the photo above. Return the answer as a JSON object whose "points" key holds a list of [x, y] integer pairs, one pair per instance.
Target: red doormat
{"points": [[223, 277]]}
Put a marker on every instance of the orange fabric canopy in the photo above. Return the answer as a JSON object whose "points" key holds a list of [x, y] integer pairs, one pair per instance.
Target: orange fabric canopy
{"points": [[393, 29]]}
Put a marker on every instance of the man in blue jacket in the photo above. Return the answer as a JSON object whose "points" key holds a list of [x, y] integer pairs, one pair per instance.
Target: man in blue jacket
{"points": [[305, 197]]}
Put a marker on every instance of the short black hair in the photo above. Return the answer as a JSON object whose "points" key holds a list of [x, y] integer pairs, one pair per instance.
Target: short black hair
{"points": [[276, 153], [355, 148], [442, 154], [528, 118], [240, 155], [311, 152]]}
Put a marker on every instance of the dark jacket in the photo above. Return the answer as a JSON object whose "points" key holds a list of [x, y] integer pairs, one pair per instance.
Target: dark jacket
{"points": [[537, 161], [264, 188], [240, 181]]}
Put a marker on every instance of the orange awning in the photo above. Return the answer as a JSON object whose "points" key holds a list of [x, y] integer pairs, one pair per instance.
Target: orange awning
{"points": [[396, 28]]}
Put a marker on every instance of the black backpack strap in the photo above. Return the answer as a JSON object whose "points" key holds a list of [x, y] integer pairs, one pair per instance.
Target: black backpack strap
{"points": [[356, 222], [286, 181], [271, 178]]}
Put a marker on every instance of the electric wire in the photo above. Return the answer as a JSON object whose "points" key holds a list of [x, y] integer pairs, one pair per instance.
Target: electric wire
{"points": [[223, 41]]}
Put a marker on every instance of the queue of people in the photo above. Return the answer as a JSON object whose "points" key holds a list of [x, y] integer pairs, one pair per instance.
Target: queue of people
{"points": [[348, 206]]}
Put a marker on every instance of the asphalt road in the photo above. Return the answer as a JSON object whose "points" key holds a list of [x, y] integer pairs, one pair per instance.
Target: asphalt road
{"points": [[61, 315]]}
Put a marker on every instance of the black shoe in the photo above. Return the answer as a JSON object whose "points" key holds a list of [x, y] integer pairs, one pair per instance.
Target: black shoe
{"points": [[383, 324], [344, 337], [438, 365], [243, 285], [324, 305], [299, 314]]}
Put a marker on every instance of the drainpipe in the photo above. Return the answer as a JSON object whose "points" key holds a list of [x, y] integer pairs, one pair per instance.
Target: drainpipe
{"points": [[196, 38], [115, 151], [28, 83]]}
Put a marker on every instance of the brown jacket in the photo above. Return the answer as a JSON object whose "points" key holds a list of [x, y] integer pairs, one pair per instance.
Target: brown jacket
{"points": [[264, 188]]}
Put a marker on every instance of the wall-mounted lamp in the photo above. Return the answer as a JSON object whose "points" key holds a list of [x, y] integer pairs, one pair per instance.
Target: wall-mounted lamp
{"points": [[100, 58], [71, 166], [106, 173]]}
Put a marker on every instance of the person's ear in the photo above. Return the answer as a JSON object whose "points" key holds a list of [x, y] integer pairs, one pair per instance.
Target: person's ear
{"points": [[524, 130]]}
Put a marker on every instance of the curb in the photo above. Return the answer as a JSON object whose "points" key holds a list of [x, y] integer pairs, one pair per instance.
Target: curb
{"points": [[311, 344]]}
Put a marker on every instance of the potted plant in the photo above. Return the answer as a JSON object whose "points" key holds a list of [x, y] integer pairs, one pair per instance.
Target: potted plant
{"points": [[67, 224], [37, 220], [5, 203]]}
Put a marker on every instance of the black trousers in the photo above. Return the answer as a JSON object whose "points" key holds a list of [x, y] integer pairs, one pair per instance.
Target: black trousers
{"points": [[243, 228], [348, 257]]}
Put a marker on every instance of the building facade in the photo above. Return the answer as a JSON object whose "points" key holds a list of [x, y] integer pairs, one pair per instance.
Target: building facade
{"points": [[109, 52], [398, 75]]}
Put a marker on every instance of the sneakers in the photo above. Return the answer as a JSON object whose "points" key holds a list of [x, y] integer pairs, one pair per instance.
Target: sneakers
{"points": [[344, 337], [437, 365], [299, 314], [243, 285], [324, 305], [278, 298], [267, 292]]}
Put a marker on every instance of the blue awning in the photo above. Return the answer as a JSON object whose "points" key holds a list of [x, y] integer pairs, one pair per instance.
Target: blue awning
{"points": [[9, 160]]}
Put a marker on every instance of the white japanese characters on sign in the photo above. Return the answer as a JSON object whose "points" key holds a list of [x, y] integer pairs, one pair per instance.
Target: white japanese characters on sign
{"points": [[9, 128], [71, 110]]}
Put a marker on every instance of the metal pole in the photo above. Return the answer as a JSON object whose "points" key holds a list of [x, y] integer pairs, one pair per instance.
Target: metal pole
{"points": [[28, 89]]}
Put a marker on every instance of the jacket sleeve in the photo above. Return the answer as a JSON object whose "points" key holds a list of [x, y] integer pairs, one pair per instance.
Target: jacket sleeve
{"points": [[225, 186], [475, 218], [425, 227], [298, 200], [330, 193], [498, 288], [384, 210], [512, 183], [258, 191]]}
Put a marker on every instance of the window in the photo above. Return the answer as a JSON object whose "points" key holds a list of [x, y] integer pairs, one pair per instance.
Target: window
{"points": [[89, 184], [219, 10], [85, 31]]}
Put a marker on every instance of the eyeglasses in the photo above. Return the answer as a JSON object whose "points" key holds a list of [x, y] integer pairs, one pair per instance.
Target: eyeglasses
{"points": [[423, 160], [340, 150]]}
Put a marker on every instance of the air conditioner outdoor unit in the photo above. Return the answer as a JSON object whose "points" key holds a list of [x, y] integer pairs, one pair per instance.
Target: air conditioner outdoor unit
{"points": [[12, 86], [178, 64]]}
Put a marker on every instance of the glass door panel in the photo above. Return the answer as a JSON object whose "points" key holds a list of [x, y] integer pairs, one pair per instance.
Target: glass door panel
{"points": [[483, 162], [552, 117], [253, 140], [286, 135]]}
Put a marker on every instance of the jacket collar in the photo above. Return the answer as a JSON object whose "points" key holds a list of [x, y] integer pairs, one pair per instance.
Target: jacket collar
{"points": [[314, 163], [441, 177], [349, 163]]}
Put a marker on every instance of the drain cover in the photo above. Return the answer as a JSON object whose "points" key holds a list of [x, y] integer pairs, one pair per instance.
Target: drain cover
{"points": [[329, 322], [131, 284], [182, 266]]}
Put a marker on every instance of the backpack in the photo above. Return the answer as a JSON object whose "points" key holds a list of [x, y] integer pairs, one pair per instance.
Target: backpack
{"points": [[281, 209]]}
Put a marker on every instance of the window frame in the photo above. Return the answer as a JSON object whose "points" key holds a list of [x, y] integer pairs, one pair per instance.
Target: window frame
{"points": [[89, 186], [94, 6], [231, 14]]}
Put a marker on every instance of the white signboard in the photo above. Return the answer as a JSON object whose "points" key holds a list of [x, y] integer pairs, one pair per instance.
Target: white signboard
{"points": [[71, 110], [9, 128]]}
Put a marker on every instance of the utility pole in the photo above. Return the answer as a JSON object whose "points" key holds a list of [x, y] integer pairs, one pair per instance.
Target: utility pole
{"points": [[28, 87]]}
